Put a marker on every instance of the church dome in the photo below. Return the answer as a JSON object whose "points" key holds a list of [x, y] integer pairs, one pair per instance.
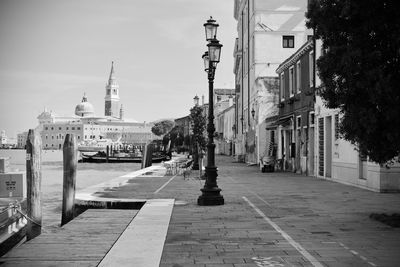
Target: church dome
{"points": [[84, 109]]}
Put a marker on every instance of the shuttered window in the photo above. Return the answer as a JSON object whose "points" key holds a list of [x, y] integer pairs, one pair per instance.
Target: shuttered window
{"points": [[321, 146]]}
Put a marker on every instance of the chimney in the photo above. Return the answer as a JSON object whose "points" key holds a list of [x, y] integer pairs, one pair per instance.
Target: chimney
{"points": [[202, 100], [196, 100]]}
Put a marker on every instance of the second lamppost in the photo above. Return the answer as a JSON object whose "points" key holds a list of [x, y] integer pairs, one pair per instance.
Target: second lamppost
{"points": [[211, 194]]}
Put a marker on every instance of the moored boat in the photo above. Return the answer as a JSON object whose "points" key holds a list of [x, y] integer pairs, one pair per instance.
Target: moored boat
{"points": [[120, 157], [12, 223], [97, 145]]}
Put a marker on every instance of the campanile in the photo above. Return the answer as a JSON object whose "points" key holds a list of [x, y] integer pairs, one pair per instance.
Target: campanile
{"points": [[111, 106]]}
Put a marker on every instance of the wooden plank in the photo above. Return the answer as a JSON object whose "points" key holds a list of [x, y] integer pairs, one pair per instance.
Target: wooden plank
{"points": [[23, 263], [73, 239], [82, 242]]}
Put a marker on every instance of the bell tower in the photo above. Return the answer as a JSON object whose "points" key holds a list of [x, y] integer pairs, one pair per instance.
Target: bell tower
{"points": [[111, 107]]}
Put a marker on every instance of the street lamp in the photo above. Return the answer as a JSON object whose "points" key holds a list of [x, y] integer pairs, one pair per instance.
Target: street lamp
{"points": [[211, 29], [210, 192], [206, 61], [214, 51]]}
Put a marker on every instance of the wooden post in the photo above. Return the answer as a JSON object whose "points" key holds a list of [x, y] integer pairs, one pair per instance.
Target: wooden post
{"points": [[107, 153], [144, 157], [34, 180], [70, 156], [149, 155]]}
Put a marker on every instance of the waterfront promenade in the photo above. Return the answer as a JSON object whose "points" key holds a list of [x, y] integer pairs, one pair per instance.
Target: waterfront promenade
{"points": [[269, 219]]}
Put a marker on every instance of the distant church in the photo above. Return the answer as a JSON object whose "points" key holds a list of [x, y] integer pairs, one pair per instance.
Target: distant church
{"points": [[85, 125], [112, 95], [112, 108]]}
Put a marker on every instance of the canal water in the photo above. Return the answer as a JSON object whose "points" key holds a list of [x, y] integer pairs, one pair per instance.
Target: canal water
{"points": [[88, 174]]}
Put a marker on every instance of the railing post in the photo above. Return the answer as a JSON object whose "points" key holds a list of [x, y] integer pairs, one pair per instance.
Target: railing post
{"points": [[34, 180], [70, 156]]}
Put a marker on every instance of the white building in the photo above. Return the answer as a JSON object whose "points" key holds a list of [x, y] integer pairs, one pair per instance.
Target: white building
{"points": [[21, 139], [268, 33], [224, 127], [85, 125]]}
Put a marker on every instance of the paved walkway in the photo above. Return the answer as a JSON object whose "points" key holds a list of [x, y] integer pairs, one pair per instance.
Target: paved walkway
{"points": [[278, 219], [269, 219]]}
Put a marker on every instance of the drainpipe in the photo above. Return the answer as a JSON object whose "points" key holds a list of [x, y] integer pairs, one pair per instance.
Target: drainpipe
{"points": [[248, 62], [242, 70]]}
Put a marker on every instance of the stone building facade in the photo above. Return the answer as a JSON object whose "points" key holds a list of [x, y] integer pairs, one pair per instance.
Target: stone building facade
{"points": [[268, 33], [296, 121]]}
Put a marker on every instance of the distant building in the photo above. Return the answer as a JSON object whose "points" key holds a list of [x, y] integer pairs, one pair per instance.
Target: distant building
{"points": [[224, 128], [85, 125], [184, 123], [223, 94], [223, 98], [21, 139], [3, 138]]}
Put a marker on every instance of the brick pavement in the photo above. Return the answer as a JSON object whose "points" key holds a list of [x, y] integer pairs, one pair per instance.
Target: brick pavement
{"points": [[278, 219]]}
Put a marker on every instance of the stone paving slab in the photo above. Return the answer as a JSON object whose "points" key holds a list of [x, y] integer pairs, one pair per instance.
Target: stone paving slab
{"points": [[141, 243]]}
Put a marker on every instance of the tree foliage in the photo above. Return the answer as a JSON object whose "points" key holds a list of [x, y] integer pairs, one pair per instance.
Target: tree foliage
{"points": [[162, 127], [198, 123], [176, 136], [186, 140], [360, 70]]}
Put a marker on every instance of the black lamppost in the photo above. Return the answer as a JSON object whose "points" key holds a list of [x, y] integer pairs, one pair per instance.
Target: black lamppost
{"points": [[210, 192], [195, 145]]}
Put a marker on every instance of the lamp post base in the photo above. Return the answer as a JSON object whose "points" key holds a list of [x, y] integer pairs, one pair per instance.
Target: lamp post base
{"points": [[210, 197]]}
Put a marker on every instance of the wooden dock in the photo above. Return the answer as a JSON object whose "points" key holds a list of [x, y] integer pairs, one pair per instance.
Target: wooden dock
{"points": [[82, 242]]}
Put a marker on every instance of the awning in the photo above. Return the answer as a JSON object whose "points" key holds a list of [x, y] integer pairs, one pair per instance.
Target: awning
{"points": [[271, 123], [283, 121], [271, 126]]}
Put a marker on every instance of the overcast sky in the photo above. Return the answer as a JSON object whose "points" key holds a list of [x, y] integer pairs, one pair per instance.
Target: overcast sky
{"points": [[51, 52]]}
